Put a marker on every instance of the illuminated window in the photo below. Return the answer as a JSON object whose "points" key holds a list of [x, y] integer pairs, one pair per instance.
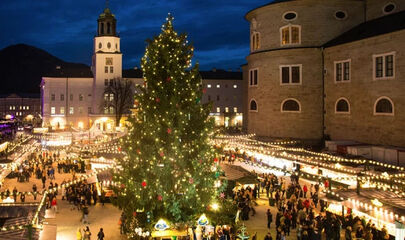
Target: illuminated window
{"points": [[23, 107], [11, 107], [218, 86], [111, 110], [105, 110], [53, 110], [255, 41], [106, 96], [384, 65], [235, 86], [235, 109], [208, 85], [290, 34], [226, 109], [218, 109], [253, 77], [28, 107], [111, 96], [71, 110], [62, 110], [290, 74]]}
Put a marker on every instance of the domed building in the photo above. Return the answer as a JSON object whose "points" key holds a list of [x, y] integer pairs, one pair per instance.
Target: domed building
{"points": [[327, 69]]}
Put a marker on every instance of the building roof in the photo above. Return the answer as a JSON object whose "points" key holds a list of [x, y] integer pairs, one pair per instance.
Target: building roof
{"points": [[271, 3], [387, 24], [132, 73], [221, 74], [80, 72], [20, 95]]}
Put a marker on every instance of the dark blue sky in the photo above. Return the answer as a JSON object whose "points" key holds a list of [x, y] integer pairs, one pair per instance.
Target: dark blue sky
{"points": [[66, 28]]}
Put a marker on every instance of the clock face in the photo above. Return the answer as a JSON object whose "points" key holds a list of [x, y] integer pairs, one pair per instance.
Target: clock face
{"points": [[108, 61], [109, 45], [100, 45]]}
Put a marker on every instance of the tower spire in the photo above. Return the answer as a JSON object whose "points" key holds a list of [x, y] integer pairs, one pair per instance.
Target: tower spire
{"points": [[106, 3]]}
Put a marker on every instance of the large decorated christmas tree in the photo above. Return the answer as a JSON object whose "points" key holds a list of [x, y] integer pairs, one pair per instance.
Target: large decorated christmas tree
{"points": [[171, 168]]}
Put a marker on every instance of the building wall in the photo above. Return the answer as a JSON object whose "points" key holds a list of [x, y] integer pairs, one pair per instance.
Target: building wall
{"points": [[269, 94], [66, 87], [226, 96], [362, 91], [316, 18], [375, 8], [22, 108]]}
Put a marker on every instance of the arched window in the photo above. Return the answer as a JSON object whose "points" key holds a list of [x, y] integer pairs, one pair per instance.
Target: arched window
{"points": [[253, 105], [342, 106], [101, 28], [108, 28], [255, 41], [383, 106], [290, 34], [290, 105]]}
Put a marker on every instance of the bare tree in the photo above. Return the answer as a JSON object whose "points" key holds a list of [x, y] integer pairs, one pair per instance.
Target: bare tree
{"points": [[119, 96]]}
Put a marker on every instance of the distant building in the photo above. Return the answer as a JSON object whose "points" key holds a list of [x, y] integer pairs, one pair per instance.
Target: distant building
{"points": [[22, 107], [224, 90], [75, 98], [327, 69]]}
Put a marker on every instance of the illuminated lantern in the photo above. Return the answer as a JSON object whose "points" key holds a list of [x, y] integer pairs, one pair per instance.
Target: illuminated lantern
{"points": [[144, 184], [161, 225], [203, 220]]}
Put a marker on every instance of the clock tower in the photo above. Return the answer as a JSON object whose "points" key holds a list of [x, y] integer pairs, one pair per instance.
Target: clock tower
{"points": [[107, 58]]}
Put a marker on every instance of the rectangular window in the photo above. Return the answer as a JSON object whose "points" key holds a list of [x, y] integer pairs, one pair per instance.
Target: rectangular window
{"points": [[105, 69], [71, 110], [105, 110], [11, 107], [111, 82], [105, 82], [53, 111], [217, 97], [208, 85], [111, 97], [342, 71], [62, 110], [290, 74], [111, 69], [28, 108], [62, 97], [218, 86], [89, 110], [218, 109], [105, 96], [52, 97], [209, 97], [226, 109], [235, 86], [384, 65], [80, 97], [111, 110], [253, 77], [80, 110], [290, 34], [235, 109]]}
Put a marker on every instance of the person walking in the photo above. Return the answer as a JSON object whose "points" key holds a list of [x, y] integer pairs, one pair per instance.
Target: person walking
{"points": [[269, 218], [34, 191], [54, 205], [268, 236], [85, 210], [87, 233], [79, 234], [100, 235]]}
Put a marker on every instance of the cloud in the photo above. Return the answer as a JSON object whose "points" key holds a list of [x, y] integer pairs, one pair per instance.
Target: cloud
{"points": [[65, 28]]}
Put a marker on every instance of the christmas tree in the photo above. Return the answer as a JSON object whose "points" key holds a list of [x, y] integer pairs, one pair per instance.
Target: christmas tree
{"points": [[171, 167]]}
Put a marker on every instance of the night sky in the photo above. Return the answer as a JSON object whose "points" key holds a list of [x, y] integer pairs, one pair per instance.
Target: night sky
{"points": [[65, 28]]}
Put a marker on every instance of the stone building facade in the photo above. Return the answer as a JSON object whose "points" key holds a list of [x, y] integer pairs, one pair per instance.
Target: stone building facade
{"points": [[310, 56], [23, 107]]}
